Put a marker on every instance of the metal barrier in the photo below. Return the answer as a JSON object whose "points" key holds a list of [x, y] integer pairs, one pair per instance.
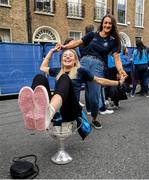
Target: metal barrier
{"points": [[19, 63]]}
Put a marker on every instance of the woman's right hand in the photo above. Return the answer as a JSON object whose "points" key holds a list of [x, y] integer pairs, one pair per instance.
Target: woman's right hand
{"points": [[56, 48], [60, 46]]}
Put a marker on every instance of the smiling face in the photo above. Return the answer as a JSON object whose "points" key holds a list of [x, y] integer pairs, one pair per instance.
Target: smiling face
{"points": [[107, 25], [69, 59], [69, 64]]}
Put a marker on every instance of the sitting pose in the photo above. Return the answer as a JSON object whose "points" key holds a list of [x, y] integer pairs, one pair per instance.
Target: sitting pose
{"points": [[34, 102]]}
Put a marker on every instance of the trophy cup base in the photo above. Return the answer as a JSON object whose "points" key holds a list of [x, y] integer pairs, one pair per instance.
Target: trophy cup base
{"points": [[61, 157]]}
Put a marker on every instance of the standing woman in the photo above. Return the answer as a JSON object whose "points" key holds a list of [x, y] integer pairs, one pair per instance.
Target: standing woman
{"points": [[127, 65], [106, 40], [140, 60]]}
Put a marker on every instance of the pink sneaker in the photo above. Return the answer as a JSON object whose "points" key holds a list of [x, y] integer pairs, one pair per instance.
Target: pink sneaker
{"points": [[43, 113], [26, 105]]}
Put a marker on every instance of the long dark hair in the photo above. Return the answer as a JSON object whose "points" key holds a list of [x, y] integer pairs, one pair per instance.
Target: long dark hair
{"points": [[140, 47], [124, 51], [114, 31]]}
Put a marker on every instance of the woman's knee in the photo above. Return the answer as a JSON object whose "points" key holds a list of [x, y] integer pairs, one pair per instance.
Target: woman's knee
{"points": [[64, 77], [39, 79]]}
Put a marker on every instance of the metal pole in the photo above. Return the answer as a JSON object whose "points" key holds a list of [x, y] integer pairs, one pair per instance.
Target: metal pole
{"points": [[112, 7]]}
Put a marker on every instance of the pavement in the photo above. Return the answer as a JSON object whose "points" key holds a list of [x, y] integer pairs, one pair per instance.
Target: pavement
{"points": [[120, 150]]}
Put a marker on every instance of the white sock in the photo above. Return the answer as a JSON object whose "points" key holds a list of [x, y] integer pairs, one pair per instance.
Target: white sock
{"points": [[50, 115]]}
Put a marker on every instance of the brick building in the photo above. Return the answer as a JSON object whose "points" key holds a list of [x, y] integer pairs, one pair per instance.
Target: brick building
{"points": [[42, 21]]}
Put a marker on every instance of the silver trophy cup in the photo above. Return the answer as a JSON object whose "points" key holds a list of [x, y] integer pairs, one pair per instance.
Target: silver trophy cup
{"points": [[60, 133]]}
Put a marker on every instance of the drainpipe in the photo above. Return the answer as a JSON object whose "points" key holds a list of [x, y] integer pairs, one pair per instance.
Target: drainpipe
{"points": [[28, 21], [112, 7]]}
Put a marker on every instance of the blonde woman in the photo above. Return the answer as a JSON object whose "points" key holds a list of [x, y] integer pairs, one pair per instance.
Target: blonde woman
{"points": [[34, 102]]}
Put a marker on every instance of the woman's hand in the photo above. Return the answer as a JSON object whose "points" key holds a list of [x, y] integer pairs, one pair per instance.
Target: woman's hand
{"points": [[60, 46], [119, 66], [56, 48], [122, 80], [122, 73]]}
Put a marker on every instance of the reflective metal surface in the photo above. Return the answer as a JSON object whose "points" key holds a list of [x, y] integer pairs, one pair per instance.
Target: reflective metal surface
{"points": [[60, 133]]}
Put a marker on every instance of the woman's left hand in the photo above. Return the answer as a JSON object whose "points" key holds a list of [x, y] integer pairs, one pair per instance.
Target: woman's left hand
{"points": [[122, 74]]}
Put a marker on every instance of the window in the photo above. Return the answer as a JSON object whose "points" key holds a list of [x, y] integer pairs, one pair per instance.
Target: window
{"points": [[47, 6], [5, 35], [100, 9], [46, 34], [125, 40], [75, 8], [139, 12], [138, 38], [4, 2], [122, 11], [75, 35]]}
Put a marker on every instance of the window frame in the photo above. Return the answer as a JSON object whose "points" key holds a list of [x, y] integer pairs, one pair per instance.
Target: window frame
{"points": [[42, 9], [142, 14], [73, 31], [49, 32], [122, 23], [138, 38], [75, 9], [99, 8], [5, 4], [9, 35]]}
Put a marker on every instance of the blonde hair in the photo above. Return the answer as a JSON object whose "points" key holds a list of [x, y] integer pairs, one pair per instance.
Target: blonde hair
{"points": [[73, 73]]}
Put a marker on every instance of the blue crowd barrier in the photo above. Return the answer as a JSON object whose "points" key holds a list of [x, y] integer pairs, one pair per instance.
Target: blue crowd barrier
{"points": [[19, 63]]}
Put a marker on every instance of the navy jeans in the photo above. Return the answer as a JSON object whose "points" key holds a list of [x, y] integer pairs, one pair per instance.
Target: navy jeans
{"points": [[96, 67]]}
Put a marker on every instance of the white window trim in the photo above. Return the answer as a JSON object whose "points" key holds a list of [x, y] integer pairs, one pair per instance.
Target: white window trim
{"points": [[6, 5], [137, 26], [73, 31], [75, 2], [7, 28], [126, 38], [74, 17], [53, 31], [121, 24], [45, 13]]}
